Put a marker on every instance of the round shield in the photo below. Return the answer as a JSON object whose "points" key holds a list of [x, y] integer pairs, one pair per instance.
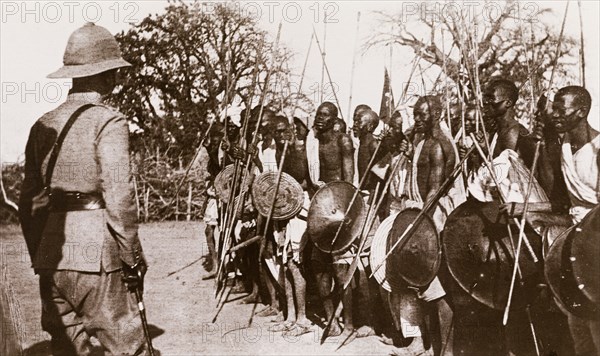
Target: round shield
{"points": [[417, 260], [585, 254], [378, 252], [290, 196], [224, 181], [328, 210], [479, 253], [572, 270]]}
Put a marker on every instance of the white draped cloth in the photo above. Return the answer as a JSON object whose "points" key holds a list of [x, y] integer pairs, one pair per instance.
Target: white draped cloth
{"points": [[581, 176], [288, 235], [312, 155], [512, 176]]}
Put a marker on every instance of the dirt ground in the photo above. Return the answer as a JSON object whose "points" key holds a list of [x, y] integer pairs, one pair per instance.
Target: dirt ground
{"points": [[180, 305]]}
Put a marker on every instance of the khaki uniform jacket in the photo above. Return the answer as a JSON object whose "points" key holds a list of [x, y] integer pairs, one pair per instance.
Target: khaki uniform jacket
{"points": [[94, 158]]}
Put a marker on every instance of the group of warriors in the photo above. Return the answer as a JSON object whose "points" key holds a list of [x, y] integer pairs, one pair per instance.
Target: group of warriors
{"points": [[430, 227], [473, 238]]}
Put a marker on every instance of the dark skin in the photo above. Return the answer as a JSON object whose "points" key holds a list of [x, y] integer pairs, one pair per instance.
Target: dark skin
{"points": [[435, 163], [364, 124], [363, 127], [301, 129], [549, 171], [569, 119], [336, 155], [335, 149], [471, 128], [436, 160], [498, 109], [295, 165]]}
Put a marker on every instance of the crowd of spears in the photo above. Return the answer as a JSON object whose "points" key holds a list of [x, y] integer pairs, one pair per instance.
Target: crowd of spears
{"points": [[464, 233]]}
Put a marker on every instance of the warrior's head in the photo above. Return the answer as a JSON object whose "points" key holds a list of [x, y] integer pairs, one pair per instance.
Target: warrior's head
{"points": [[499, 97], [365, 123], [571, 105], [427, 113], [326, 117]]}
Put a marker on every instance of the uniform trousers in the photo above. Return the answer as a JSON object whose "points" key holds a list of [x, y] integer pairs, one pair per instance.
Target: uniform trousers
{"points": [[77, 305]]}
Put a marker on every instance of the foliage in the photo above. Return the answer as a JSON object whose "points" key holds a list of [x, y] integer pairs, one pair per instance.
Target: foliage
{"points": [[511, 46], [188, 64], [12, 178]]}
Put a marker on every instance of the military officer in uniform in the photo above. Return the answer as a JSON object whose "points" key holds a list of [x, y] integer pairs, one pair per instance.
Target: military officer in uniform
{"points": [[79, 215]]}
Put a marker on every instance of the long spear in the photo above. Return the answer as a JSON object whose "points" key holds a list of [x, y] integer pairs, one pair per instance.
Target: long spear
{"points": [[356, 193], [268, 221], [353, 66], [245, 172], [531, 174], [328, 74], [581, 51], [241, 139], [312, 35], [323, 54], [366, 228], [410, 230]]}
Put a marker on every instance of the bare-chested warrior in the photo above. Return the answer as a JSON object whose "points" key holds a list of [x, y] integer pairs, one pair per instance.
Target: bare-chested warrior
{"points": [[290, 234], [499, 99], [365, 123], [330, 157], [433, 159], [209, 156]]}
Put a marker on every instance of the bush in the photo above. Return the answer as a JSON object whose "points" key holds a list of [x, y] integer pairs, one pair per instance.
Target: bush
{"points": [[12, 178]]}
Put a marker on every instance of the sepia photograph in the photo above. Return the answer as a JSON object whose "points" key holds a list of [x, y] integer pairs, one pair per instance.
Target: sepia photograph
{"points": [[186, 177]]}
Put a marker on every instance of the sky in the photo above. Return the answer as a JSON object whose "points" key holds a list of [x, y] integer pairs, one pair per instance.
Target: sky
{"points": [[33, 36]]}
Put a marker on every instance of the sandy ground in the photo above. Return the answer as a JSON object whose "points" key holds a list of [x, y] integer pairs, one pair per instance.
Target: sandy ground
{"points": [[180, 305]]}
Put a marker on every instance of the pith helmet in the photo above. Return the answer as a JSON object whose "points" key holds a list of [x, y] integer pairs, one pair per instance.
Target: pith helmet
{"points": [[91, 50]]}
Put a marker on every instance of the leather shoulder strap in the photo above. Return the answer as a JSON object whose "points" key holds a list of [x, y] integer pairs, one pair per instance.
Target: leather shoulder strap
{"points": [[59, 141]]}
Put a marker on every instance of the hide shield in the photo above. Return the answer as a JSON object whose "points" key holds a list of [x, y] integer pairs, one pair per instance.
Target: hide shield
{"points": [[417, 261], [290, 196], [327, 211], [479, 254], [572, 269]]}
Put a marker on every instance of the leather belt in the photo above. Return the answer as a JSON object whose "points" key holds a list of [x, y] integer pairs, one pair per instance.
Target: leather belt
{"points": [[75, 201]]}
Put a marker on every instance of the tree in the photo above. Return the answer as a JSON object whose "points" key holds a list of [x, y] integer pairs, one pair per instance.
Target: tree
{"points": [[512, 43], [187, 65]]}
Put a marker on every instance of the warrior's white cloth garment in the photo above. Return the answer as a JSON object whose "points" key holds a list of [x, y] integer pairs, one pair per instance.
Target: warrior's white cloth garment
{"points": [[581, 177], [312, 155], [211, 213], [267, 157], [288, 236], [400, 166], [513, 178], [294, 238]]}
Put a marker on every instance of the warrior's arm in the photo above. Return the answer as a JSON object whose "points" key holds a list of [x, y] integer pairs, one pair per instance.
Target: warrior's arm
{"points": [[436, 170], [509, 139], [347, 149]]}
